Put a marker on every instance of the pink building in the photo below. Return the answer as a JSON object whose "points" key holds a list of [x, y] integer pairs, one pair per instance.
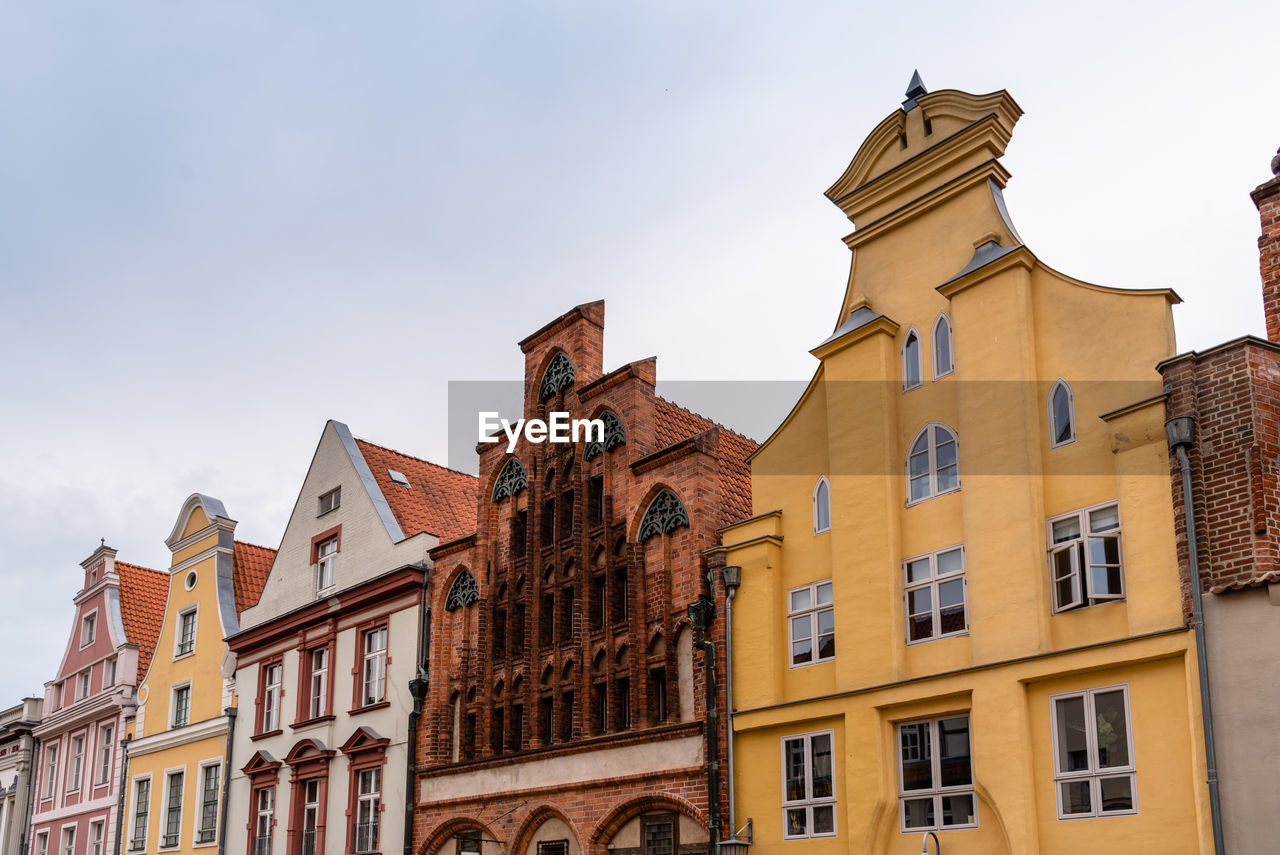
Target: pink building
{"points": [[117, 619]]}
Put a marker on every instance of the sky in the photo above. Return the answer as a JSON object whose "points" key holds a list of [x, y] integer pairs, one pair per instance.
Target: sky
{"points": [[223, 223]]}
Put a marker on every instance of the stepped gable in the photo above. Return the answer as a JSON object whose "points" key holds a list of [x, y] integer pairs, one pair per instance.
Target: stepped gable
{"points": [[438, 500], [250, 565], [143, 593]]}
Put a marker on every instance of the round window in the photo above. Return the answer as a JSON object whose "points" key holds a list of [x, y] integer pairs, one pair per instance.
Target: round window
{"points": [[190, 581]]}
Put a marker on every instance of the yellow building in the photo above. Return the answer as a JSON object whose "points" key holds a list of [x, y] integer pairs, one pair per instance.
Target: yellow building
{"points": [[960, 607], [178, 752]]}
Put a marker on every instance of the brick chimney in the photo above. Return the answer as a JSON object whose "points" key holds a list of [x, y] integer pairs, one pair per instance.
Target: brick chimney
{"points": [[1267, 198]]}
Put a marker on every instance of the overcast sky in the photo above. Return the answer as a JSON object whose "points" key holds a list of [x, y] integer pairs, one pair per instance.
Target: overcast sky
{"points": [[223, 223]]}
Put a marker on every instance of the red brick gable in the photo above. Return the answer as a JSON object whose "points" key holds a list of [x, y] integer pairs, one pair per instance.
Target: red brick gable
{"points": [[143, 593], [250, 565], [439, 501]]}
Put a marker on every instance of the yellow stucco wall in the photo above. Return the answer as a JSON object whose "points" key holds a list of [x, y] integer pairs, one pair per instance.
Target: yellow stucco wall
{"points": [[1018, 326]]}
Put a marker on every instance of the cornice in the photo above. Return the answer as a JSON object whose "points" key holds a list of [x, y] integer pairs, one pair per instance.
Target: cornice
{"points": [[180, 736]]}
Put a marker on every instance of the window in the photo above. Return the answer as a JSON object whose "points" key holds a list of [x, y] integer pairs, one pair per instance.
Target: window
{"points": [[934, 590], [548, 528], [553, 847], [1062, 415], [95, 838], [595, 500], [50, 769], [105, 737], [368, 801], [936, 786], [263, 818], [566, 716], [658, 694], [326, 566], [186, 643], [621, 598], [182, 705], [943, 360], [622, 695], [659, 835], [109, 673], [597, 605], [566, 615], [210, 787], [330, 501], [808, 791], [88, 630], [599, 703], [468, 843], [82, 685], [1093, 753], [270, 694], [318, 686], [75, 769], [69, 840], [42, 843], [1085, 565], [546, 620], [932, 467], [911, 371], [812, 619], [498, 730], [310, 815], [173, 811], [141, 805], [375, 666], [822, 506]]}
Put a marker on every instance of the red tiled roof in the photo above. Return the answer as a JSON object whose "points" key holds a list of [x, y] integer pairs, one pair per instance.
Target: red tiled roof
{"points": [[1257, 580], [250, 565], [438, 500], [673, 423], [143, 593]]}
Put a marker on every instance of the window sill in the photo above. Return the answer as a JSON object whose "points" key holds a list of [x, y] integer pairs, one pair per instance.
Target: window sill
{"points": [[186, 655], [919, 641], [326, 592], [369, 708], [311, 722], [210, 844], [1087, 606], [911, 503], [265, 735], [826, 661]]}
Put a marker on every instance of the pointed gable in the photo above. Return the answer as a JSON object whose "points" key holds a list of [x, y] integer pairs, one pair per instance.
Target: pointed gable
{"points": [[143, 593], [436, 500]]}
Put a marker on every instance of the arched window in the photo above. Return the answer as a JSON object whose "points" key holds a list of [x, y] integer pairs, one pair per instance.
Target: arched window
{"points": [[615, 436], [943, 360], [1062, 415], [666, 513], [911, 370], [511, 480], [822, 506], [559, 376], [932, 465], [463, 593]]}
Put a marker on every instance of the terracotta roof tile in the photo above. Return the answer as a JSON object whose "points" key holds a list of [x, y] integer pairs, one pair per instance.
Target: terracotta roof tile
{"points": [[1257, 580], [250, 565], [438, 500], [143, 593], [673, 423]]}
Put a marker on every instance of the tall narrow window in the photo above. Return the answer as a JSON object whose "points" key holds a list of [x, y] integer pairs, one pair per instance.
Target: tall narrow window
{"points": [[1093, 753], [75, 769], [210, 786], [141, 807], [182, 706], [95, 838], [42, 843], [1062, 415], [658, 694], [109, 673], [911, 365], [310, 815], [1084, 558], [943, 359], [566, 716], [595, 500], [173, 812], [375, 666], [933, 465], [622, 698], [812, 620], [808, 795], [936, 775], [326, 566], [186, 633], [88, 630], [50, 769], [105, 737], [934, 590], [319, 685], [566, 614], [368, 799], [263, 819], [82, 684], [271, 683], [822, 506], [69, 841], [546, 620]]}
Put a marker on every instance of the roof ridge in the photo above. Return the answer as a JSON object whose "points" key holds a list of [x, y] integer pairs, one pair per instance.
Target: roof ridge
{"points": [[140, 567], [255, 545], [413, 457], [708, 419]]}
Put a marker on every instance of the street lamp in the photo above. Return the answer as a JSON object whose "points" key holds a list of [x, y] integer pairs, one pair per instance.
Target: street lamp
{"points": [[736, 845], [924, 844]]}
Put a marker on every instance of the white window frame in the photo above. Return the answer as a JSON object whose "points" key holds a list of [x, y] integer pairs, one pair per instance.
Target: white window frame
{"points": [[907, 385], [335, 501], [264, 818], [179, 772], [936, 792], [943, 318], [371, 802], [180, 642], [1077, 548], [88, 629], [933, 582], [272, 695], [1093, 774], [106, 751], [42, 843], [811, 612], [318, 683], [50, 771], [83, 682], [138, 843], [373, 669], [75, 760], [198, 827], [818, 496], [97, 837], [809, 802], [326, 568], [310, 814], [109, 673], [67, 844], [174, 691], [1071, 413], [931, 449]]}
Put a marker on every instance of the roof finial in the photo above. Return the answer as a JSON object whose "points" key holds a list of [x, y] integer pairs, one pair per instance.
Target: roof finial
{"points": [[102, 543], [915, 89], [1275, 163]]}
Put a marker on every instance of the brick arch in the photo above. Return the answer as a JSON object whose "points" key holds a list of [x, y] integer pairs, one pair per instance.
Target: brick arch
{"points": [[540, 374], [536, 818], [630, 809], [633, 526], [435, 842]]}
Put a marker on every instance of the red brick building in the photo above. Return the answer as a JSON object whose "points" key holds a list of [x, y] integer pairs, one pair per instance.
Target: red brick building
{"points": [[1233, 392], [567, 707]]}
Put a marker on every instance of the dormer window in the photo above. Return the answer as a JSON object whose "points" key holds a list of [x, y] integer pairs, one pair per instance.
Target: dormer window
{"points": [[911, 365], [331, 501]]}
